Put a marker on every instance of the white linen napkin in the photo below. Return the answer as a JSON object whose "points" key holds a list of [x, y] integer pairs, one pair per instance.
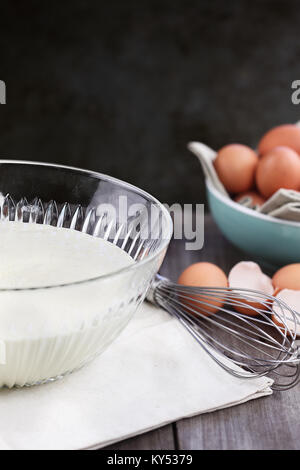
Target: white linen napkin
{"points": [[153, 374]]}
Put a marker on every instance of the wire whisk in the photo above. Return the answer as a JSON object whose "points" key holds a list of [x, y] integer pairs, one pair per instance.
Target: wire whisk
{"points": [[257, 343]]}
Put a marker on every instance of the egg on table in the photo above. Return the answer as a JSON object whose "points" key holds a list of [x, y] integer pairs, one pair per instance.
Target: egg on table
{"points": [[287, 277], [203, 274]]}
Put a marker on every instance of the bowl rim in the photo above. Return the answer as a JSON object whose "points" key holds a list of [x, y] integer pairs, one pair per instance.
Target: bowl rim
{"points": [[239, 207], [165, 241]]}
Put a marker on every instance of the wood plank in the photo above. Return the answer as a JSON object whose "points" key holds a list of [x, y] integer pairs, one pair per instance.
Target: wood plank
{"points": [[263, 424], [160, 439]]}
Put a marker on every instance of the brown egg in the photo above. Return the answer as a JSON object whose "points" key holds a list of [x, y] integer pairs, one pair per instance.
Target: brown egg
{"points": [[203, 275], [256, 198], [292, 299], [287, 135], [287, 277], [280, 168], [235, 165], [248, 275]]}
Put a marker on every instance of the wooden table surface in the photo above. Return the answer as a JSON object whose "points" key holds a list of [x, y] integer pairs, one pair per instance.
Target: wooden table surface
{"points": [[266, 423]]}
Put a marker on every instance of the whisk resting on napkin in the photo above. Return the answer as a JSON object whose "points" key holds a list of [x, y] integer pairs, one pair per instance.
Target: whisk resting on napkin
{"points": [[261, 342]]}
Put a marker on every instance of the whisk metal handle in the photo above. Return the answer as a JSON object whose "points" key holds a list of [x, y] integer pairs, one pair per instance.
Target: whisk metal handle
{"points": [[157, 281]]}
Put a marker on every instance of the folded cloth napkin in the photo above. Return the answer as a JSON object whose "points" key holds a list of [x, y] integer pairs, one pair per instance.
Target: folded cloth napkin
{"points": [[284, 204], [153, 374]]}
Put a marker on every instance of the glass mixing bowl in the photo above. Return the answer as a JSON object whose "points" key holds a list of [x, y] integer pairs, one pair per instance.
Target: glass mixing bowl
{"points": [[73, 322]]}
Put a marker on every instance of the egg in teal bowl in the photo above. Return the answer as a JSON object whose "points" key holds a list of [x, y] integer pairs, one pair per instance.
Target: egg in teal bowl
{"points": [[270, 240]]}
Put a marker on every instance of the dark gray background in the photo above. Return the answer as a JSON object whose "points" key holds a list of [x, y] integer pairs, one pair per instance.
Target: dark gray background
{"points": [[122, 86]]}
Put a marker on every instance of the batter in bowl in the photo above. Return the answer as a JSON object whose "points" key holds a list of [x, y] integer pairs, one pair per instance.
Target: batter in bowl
{"points": [[52, 323]]}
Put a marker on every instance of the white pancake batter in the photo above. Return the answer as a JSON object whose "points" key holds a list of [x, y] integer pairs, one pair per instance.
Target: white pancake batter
{"points": [[48, 332]]}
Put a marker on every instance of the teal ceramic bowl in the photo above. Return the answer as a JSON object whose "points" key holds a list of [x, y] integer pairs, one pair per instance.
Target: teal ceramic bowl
{"points": [[273, 241]]}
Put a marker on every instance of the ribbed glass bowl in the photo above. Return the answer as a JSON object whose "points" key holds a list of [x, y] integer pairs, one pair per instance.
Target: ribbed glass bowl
{"points": [[46, 349]]}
